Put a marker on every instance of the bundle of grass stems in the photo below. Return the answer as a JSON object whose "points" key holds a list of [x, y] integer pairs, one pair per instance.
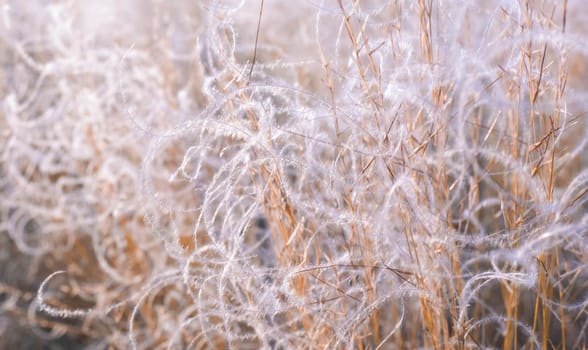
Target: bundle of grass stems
{"points": [[317, 174]]}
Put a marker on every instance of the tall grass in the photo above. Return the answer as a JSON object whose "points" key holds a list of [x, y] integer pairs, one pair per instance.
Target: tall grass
{"points": [[294, 175]]}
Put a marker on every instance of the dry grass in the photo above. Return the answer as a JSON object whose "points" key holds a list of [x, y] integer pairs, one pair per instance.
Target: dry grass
{"points": [[280, 175]]}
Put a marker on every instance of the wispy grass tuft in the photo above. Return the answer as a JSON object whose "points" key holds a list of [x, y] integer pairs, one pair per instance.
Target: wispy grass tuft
{"points": [[280, 175]]}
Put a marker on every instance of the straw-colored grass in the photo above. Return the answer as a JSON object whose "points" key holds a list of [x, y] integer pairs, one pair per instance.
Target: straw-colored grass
{"points": [[293, 175]]}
